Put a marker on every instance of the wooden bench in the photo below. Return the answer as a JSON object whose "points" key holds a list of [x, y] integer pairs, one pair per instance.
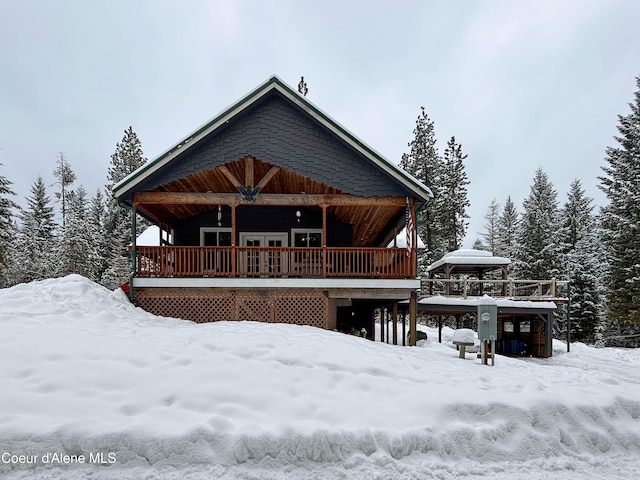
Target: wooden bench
{"points": [[463, 346]]}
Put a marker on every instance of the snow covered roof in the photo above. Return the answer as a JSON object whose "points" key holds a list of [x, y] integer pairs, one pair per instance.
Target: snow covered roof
{"points": [[475, 301], [469, 257], [401, 240], [150, 237]]}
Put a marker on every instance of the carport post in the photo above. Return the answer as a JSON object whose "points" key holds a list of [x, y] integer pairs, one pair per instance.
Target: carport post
{"points": [[413, 304], [394, 315]]}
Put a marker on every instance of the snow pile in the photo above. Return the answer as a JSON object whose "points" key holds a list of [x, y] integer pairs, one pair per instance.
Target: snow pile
{"points": [[464, 335], [85, 374]]}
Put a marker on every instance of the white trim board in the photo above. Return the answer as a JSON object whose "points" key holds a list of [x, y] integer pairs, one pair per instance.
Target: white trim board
{"points": [[302, 283]]}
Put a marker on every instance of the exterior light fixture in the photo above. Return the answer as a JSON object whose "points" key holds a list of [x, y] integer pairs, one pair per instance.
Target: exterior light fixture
{"points": [[219, 215], [298, 215]]}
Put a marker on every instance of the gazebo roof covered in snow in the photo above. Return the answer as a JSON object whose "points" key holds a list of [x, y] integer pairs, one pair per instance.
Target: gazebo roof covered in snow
{"points": [[468, 261]]}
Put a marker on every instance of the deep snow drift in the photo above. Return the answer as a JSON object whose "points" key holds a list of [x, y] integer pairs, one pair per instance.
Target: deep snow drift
{"points": [[83, 373]]}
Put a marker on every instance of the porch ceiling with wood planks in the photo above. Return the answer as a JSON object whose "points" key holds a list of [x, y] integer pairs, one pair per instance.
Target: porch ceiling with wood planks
{"points": [[249, 181]]}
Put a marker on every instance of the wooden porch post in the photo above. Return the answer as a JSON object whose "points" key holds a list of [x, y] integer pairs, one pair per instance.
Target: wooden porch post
{"points": [[394, 317], [412, 319], [133, 253], [404, 327], [233, 241], [414, 248], [386, 322], [324, 240]]}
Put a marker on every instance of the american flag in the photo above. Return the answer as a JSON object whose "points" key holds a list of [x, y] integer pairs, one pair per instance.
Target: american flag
{"points": [[409, 229]]}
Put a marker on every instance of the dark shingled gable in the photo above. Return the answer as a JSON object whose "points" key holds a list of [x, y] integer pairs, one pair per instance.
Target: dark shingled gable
{"points": [[276, 131]]}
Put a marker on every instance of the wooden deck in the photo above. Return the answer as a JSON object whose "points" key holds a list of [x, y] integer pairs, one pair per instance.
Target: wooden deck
{"points": [[339, 262], [535, 290]]}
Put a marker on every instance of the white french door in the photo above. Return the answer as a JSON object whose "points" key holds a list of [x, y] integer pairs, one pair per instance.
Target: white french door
{"points": [[264, 262]]}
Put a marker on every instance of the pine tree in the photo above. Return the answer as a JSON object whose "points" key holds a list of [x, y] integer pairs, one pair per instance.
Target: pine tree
{"points": [[451, 206], [621, 217], [36, 237], [96, 223], [76, 248], [126, 159], [583, 264], [65, 177], [538, 255], [7, 229], [577, 216], [491, 220], [479, 245], [506, 231], [424, 163]]}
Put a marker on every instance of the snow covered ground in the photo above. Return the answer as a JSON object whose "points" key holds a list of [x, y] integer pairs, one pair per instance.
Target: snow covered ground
{"points": [[85, 374]]}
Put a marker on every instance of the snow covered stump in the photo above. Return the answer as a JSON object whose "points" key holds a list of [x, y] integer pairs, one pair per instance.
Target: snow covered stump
{"points": [[463, 338]]}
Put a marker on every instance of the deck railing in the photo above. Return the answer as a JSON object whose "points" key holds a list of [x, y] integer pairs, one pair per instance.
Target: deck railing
{"points": [[510, 288], [348, 262]]}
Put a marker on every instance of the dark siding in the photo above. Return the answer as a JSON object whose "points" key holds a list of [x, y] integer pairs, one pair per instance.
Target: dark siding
{"points": [[279, 133], [263, 219]]}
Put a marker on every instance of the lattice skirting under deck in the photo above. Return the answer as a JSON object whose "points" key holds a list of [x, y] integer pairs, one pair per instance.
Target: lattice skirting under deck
{"points": [[307, 307]]}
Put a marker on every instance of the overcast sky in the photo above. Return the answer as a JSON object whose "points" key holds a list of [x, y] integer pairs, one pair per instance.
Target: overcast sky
{"points": [[520, 84]]}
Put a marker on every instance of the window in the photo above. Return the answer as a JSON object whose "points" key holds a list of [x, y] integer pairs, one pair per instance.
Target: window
{"points": [[508, 326], [306, 237], [525, 326], [215, 237]]}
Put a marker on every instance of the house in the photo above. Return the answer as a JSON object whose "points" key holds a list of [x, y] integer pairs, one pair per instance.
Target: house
{"points": [[274, 212]]}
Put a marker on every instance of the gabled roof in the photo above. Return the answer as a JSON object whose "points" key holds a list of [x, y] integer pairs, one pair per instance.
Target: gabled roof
{"points": [[469, 258], [139, 180]]}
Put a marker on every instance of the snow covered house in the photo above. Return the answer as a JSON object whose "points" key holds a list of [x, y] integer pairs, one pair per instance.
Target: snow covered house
{"points": [[273, 212]]}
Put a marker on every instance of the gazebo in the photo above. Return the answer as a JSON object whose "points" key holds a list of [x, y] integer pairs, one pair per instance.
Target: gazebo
{"points": [[456, 268]]}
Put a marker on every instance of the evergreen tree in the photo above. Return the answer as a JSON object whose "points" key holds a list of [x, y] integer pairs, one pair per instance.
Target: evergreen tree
{"points": [[7, 229], [424, 163], [621, 217], [65, 177], [506, 231], [76, 248], [478, 245], [36, 237], [451, 206], [491, 220], [127, 158], [96, 224], [583, 264], [538, 255], [577, 216]]}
